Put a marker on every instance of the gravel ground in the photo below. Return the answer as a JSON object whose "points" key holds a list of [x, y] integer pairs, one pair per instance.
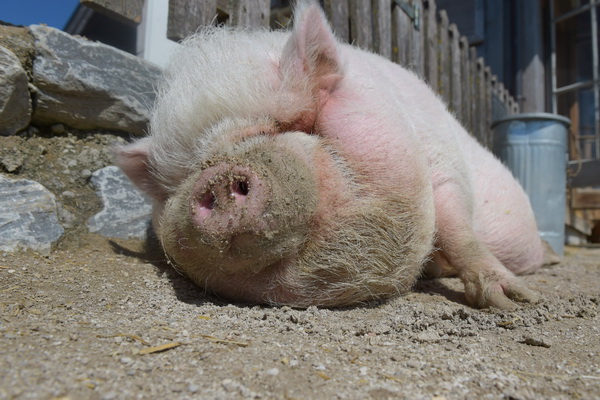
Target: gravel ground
{"points": [[88, 322]]}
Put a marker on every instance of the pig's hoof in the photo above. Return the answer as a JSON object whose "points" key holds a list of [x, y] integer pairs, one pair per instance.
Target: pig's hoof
{"points": [[501, 294]]}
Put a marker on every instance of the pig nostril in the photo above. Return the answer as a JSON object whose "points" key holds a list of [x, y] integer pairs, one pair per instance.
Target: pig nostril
{"points": [[208, 201], [241, 188]]}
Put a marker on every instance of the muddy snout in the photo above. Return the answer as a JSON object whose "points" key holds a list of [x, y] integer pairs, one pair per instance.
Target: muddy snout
{"points": [[229, 199], [241, 213]]}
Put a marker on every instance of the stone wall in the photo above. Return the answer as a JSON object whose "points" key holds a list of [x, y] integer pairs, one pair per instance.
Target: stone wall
{"points": [[64, 102]]}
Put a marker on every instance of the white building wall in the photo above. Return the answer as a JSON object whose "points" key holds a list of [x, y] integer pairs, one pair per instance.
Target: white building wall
{"points": [[152, 42]]}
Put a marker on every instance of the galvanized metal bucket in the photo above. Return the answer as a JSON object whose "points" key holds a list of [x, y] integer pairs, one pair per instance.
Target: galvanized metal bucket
{"points": [[534, 147]]}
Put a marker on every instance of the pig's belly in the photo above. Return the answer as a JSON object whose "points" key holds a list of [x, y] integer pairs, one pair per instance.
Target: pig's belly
{"points": [[503, 218]]}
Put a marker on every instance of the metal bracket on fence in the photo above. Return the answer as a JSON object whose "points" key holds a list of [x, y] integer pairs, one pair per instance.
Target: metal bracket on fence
{"points": [[412, 10]]}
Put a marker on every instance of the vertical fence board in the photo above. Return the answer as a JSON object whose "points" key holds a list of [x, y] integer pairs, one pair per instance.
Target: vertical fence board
{"points": [[493, 98], [465, 83], [481, 100], [500, 92], [499, 98], [360, 24], [382, 27], [515, 106], [128, 12], [473, 89], [417, 59], [402, 36], [430, 28], [254, 13], [487, 104], [455, 78], [444, 58], [185, 17], [338, 14], [511, 105]]}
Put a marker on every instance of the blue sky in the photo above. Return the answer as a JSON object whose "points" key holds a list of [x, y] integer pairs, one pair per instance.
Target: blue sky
{"points": [[54, 13]]}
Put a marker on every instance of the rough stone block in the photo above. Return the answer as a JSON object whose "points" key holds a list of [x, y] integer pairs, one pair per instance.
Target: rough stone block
{"points": [[19, 40], [126, 212], [28, 216], [15, 104], [89, 85]]}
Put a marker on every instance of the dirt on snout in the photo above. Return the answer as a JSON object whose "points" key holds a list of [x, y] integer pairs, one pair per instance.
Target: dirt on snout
{"points": [[107, 321]]}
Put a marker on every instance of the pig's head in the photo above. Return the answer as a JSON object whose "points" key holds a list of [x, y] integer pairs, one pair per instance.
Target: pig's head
{"points": [[249, 201]]}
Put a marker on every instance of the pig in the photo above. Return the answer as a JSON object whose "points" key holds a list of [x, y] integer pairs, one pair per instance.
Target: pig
{"points": [[288, 168]]}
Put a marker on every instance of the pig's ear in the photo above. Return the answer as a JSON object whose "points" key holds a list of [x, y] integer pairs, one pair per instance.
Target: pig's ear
{"points": [[311, 53], [133, 160]]}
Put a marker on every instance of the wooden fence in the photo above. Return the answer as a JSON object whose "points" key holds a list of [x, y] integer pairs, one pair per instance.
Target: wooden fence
{"points": [[410, 32]]}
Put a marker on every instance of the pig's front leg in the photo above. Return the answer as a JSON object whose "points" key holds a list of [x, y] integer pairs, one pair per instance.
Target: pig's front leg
{"points": [[487, 282]]}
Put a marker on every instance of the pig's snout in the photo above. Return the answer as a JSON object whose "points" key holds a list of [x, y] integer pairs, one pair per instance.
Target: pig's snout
{"points": [[228, 200], [241, 214]]}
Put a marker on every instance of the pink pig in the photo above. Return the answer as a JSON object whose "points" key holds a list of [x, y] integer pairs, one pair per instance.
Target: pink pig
{"points": [[289, 168]]}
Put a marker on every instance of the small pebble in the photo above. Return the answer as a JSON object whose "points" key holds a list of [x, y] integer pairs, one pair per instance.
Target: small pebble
{"points": [[58, 129], [109, 396]]}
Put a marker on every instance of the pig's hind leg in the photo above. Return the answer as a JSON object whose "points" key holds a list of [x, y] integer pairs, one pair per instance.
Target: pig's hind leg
{"points": [[487, 282]]}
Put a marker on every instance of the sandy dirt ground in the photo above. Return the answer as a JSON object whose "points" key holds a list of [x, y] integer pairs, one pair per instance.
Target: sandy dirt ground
{"points": [[90, 321]]}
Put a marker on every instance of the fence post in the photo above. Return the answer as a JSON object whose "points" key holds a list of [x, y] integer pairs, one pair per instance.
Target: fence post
{"points": [[430, 27], [456, 78], [480, 121], [473, 88], [338, 14], [360, 24], [252, 13], [382, 27], [488, 90], [185, 17], [401, 37], [444, 69], [495, 84], [466, 83], [417, 59]]}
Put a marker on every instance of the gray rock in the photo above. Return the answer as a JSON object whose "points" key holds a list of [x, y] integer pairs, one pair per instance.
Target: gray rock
{"points": [[11, 159], [58, 129], [126, 213], [15, 104], [28, 216], [66, 217], [89, 85]]}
